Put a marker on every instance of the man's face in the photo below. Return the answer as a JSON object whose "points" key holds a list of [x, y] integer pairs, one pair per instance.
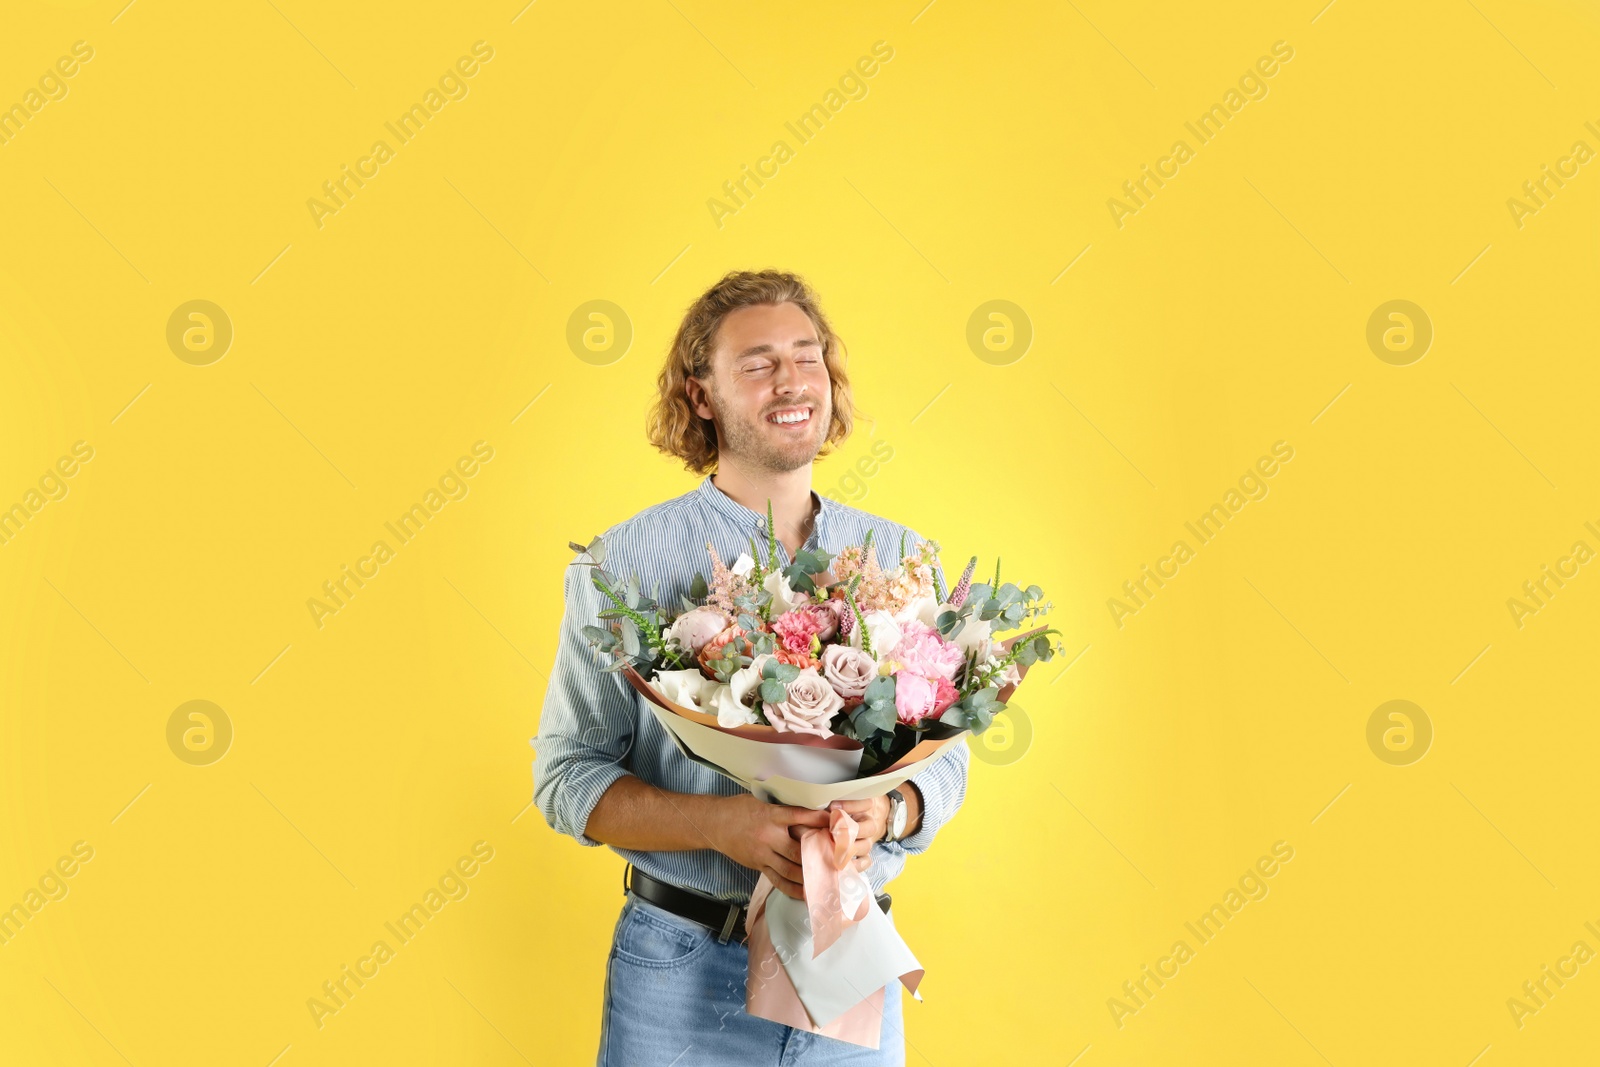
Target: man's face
{"points": [[767, 367]]}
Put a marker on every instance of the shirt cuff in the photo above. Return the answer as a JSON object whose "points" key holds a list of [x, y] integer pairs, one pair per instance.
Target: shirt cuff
{"points": [[943, 786], [577, 798]]}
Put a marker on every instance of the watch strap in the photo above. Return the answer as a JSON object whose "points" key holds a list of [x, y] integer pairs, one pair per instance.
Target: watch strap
{"points": [[897, 803]]}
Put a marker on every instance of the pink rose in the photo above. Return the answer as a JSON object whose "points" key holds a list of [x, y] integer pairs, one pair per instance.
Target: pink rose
{"points": [[945, 694], [808, 707], [696, 626], [848, 670], [922, 651], [830, 611]]}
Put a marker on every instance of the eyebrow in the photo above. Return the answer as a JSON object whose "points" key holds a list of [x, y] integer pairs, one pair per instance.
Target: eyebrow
{"points": [[764, 349]]}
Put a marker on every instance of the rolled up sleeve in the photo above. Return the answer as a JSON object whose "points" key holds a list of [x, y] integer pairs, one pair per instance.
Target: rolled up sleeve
{"points": [[586, 726], [943, 785]]}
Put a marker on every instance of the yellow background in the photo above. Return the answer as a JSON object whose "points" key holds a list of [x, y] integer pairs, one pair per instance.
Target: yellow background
{"points": [[368, 354]]}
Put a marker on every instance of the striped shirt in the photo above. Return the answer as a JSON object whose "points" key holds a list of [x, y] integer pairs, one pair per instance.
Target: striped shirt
{"points": [[594, 728]]}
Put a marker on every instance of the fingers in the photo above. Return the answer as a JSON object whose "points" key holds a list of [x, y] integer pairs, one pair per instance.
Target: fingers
{"points": [[861, 848], [788, 848], [854, 808], [783, 885], [863, 862], [786, 869], [803, 817]]}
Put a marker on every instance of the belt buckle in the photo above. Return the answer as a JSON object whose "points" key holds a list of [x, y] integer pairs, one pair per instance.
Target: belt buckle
{"points": [[727, 924]]}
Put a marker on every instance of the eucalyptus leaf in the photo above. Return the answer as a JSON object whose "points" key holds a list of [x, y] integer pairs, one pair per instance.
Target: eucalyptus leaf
{"points": [[880, 691], [983, 699], [870, 719], [980, 719]]}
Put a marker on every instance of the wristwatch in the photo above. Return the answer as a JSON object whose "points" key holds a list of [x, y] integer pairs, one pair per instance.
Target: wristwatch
{"points": [[896, 828]]}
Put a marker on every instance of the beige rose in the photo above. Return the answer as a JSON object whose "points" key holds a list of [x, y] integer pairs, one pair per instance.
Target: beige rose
{"points": [[808, 707], [848, 670]]}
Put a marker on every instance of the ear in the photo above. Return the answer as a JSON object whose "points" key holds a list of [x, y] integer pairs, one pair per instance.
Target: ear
{"points": [[697, 398]]}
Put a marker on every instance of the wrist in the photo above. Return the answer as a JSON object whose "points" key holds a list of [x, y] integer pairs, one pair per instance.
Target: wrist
{"points": [[913, 797], [709, 814]]}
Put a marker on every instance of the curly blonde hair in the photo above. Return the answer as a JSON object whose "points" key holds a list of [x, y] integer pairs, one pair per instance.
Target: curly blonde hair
{"points": [[674, 427]]}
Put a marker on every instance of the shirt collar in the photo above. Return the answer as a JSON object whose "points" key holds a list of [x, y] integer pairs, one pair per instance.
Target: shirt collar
{"points": [[750, 519]]}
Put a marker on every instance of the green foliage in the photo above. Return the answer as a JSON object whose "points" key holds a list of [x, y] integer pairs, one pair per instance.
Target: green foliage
{"points": [[974, 712], [636, 623], [775, 679], [806, 563]]}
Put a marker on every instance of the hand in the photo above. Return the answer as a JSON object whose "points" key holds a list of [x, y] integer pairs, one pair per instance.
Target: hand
{"points": [[764, 837], [872, 819]]}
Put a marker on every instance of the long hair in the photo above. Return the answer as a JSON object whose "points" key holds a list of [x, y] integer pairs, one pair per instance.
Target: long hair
{"points": [[674, 427]]}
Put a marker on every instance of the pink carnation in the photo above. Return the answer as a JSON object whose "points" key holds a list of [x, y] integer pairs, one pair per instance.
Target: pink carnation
{"points": [[796, 628], [922, 651]]}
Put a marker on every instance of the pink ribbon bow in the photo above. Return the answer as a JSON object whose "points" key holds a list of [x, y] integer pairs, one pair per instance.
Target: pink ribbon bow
{"points": [[836, 899]]}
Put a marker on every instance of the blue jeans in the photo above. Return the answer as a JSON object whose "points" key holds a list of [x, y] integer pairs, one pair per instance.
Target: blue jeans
{"points": [[675, 998]]}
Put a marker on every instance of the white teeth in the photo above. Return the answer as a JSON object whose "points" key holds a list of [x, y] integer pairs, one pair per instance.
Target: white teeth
{"points": [[798, 416]]}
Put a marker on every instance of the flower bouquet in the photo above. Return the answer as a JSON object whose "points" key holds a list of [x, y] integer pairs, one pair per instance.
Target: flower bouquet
{"points": [[831, 678]]}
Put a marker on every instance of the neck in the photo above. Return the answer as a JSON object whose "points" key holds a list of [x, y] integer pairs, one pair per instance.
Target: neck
{"points": [[789, 491]]}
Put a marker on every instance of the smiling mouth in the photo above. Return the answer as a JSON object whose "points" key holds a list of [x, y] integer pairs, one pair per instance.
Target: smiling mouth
{"points": [[790, 416]]}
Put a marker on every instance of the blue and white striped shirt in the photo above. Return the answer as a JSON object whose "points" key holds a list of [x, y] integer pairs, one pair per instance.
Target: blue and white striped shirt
{"points": [[595, 728]]}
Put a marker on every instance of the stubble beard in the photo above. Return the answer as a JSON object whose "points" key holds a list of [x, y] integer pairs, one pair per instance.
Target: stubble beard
{"points": [[747, 438]]}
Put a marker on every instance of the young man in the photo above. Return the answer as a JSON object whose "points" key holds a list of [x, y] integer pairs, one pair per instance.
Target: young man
{"points": [[754, 389]]}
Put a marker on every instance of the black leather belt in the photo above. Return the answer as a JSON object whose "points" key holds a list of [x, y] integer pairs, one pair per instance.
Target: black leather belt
{"points": [[725, 918]]}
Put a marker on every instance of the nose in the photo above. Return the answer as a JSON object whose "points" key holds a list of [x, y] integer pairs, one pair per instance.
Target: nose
{"points": [[787, 379]]}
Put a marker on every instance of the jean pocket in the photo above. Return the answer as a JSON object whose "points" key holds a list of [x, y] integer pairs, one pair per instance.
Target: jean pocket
{"points": [[649, 936]]}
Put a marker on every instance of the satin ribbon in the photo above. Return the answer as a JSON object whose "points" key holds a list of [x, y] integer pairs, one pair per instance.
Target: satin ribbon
{"points": [[837, 897]]}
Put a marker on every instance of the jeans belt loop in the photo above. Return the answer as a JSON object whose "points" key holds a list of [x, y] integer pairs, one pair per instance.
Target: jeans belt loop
{"points": [[727, 924]]}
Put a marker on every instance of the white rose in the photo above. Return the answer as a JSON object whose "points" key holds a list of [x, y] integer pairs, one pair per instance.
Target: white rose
{"points": [[882, 628], [783, 598], [924, 609], [743, 565]]}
